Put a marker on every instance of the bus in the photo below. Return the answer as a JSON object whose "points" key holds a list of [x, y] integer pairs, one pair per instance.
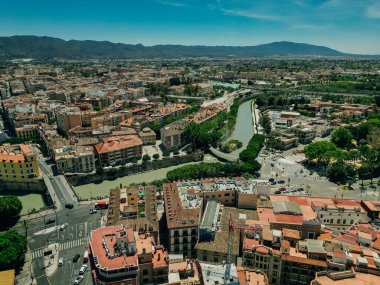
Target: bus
{"points": [[101, 205]]}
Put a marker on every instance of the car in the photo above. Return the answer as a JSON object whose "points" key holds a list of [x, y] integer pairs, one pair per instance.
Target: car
{"points": [[281, 181], [271, 179], [277, 192], [78, 279], [69, 206], [273, 183], [63, 226], [300, 189], [93, 211], [50, 221], [282, 189], [60, 261], [76, 257], [83, 269]]}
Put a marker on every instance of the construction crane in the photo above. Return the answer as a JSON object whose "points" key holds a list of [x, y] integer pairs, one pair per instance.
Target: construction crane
{"points": [[231, 229]]}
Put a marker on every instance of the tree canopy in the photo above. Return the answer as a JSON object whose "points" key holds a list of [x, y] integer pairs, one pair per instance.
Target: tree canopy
{"points": [[12, 250], [10, 207], [342, 138]]}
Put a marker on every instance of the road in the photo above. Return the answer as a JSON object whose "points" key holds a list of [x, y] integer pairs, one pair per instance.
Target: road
{"points": [[58, 187], [70, 241]]}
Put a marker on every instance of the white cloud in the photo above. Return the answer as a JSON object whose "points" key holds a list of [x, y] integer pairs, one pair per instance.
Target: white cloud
{"points": [[251, 15], [373, 12], [171, 3]]}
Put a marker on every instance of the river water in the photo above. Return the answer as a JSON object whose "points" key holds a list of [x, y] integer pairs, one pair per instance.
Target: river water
{"points": [[243, 132]]}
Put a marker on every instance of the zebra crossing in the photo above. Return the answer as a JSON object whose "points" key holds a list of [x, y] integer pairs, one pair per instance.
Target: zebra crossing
{"points": [[62, 246]]}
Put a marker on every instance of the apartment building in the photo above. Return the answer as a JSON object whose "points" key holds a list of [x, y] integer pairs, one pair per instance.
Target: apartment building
{"points": [[183, 213], [172, 134], [68, 118], [18, 163], [74, 159], [305, 134], [134, 207], [27, 131], [118, 149], [121, 256], [147, 136]]}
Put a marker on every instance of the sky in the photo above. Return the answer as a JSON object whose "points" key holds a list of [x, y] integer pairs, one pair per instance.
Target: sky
{"points": [[351, 26]]}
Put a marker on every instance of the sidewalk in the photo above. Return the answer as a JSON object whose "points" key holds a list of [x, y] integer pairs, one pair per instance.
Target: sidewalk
{"points": [[51, 261]]}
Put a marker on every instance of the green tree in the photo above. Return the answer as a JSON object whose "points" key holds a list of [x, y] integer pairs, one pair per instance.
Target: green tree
{"points": [[342, 138], [370, 158], [10, 207], [156, 156], [145, 157], [12, 250], [266, 123], [322, 152], [340, 171]]}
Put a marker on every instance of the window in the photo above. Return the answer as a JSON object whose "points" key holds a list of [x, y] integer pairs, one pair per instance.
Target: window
{"points": [[216, 259], [145, 271]]}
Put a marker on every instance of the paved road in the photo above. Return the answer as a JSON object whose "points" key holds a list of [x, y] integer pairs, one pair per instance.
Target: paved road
{"points": [[58, 187], [70, 241]]}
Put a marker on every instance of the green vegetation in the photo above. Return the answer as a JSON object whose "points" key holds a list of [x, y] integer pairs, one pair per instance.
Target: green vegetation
{"points": [[10, 208], [146, 157], [266, 123], [253, 148], [217, 169], [12, 250], [342, 138], [15, 140], [230, 146]]}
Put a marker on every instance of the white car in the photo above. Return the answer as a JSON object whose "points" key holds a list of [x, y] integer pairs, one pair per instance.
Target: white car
{"points": [[93, 211], [60, 261], [78, 280], [64, 226], [83, 269]]}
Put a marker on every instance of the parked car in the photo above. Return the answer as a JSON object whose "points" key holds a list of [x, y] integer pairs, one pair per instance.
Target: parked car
{"points": [[300, 189], [50, 221], [76, 257], [78, 280], [271, 179], [63, 226], [83, 269], [60, 261], [93, 211], [281, 181], [282, 189], [69, 205], [273, 183], [277, 192]]}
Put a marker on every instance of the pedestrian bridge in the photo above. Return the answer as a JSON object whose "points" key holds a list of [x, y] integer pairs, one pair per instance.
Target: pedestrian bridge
{"points": [[225, 156]]}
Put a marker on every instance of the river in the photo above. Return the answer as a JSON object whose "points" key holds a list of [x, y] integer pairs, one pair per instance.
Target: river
{"points": [[243, 130], [94, 190]]}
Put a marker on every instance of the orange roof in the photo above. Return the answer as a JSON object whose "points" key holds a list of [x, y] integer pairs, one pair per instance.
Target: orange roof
{"points": [[14, 153], [106, 237], [308, 261], [115, 143], [294, 234]]}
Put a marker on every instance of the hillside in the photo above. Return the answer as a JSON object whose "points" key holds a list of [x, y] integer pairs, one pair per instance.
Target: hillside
{"points": [[48, 47]]}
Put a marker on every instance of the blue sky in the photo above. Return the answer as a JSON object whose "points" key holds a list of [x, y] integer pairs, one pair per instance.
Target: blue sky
{"points": [[346, 25]]}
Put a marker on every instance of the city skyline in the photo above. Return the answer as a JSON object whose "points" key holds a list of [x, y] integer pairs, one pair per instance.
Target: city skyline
{"points": [[337, 24]]}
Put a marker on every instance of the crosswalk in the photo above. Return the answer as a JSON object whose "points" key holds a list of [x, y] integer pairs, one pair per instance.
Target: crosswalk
{"points": [[62, 246]]}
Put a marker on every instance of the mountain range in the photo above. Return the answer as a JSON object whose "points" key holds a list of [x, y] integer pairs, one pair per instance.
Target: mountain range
{"points": [[48, 48]]}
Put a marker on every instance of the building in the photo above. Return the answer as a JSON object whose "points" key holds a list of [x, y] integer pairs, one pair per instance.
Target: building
{"points": [[18, 163], [134, 207], [346, 277], [147, 136], [172, 134], [7, 277], [184, 271], [183, 213], [74, 159], [214, 274], [252, 277], [118, 149], [68, 118], [305, 135], [27, 132], [121, 256], [214, 230]]}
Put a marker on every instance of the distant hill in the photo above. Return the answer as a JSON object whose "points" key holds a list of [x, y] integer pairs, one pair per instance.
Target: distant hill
{"points": [[48, 47]]}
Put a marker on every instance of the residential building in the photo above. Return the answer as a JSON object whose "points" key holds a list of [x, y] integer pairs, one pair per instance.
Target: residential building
{"points": [[18, 163], [118, 149], [74, 159], [135, 208], [184, 271], [121, 256], [346, 277], [305, 135], [27, 131], [147, 136], [252, 277], [7, 277], [68, 118], [214, 274]]}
